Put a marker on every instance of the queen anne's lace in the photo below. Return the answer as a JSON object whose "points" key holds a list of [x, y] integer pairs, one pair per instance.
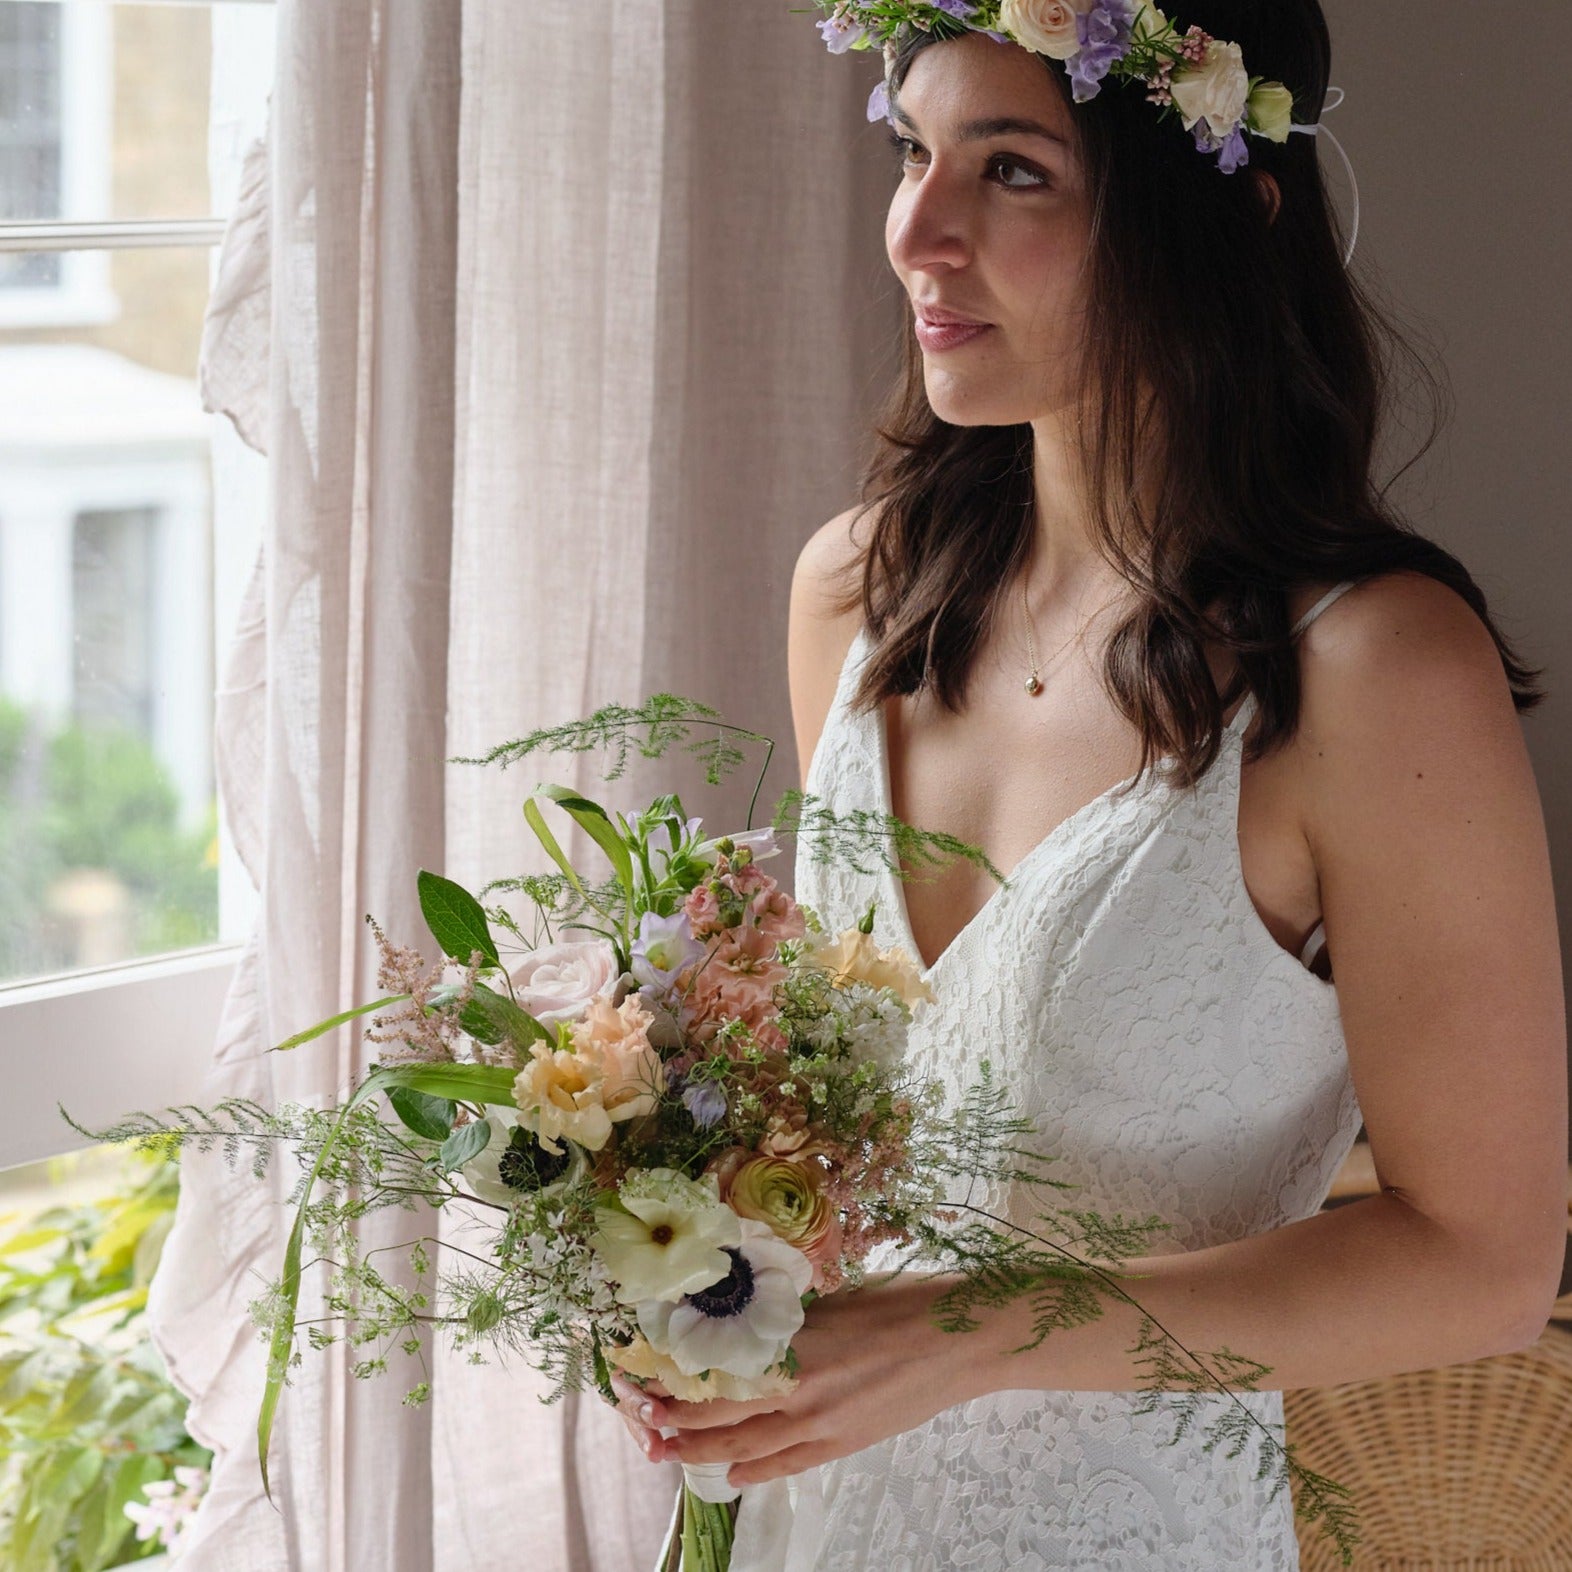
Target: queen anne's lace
{"points": [[1180, 1063]]}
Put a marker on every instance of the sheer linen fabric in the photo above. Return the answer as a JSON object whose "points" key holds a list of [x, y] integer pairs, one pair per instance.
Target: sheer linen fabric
{"points": [[1178, 1062], [550, 400]]}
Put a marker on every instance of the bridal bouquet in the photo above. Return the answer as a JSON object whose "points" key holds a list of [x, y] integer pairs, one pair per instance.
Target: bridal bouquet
{"points": [[674, 1121]]}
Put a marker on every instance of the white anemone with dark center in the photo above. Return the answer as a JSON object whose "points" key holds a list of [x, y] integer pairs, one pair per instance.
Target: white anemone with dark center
{"points": [[742, 1324]]}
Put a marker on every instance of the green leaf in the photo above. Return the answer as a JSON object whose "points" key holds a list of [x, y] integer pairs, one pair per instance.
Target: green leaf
{"points": [[465, 1143], [336, 1020], [593, 820], [31, 1239], [455, 918], [533, 817], [466, 1082], [491, 1017], [429, 1117], [100, 1543]]}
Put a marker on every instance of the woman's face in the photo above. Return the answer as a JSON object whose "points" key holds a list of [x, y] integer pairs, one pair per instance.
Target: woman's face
{"points": [[991, 226]]}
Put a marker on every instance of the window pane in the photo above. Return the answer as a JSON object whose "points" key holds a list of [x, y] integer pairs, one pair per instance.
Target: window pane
{"points": [[30, 127], [108, 830], [104, 111]]}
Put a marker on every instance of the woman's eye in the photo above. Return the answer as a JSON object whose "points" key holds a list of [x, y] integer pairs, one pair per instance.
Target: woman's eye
{"points": [[908, 150], [1033, 178]]}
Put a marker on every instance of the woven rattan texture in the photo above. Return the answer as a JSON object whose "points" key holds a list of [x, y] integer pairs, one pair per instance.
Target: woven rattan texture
{"points": [[1467, 1467]]}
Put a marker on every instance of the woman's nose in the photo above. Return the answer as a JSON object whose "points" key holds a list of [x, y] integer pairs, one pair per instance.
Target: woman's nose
{"points": [[929, 224]]}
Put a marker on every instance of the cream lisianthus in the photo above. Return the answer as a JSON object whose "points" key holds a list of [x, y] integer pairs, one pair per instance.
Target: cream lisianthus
{"points": [[1046, 27], [664, 1236], [854, 957], [638, 1358], [1270, 111], [615, 1038], [741, 1324], [1215, 90], [559, 1094]]}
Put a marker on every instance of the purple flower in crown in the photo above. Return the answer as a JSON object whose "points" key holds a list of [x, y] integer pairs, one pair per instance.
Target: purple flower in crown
{"points": [[961, 10], [1104, 32], [1233, 152], [841, 31], [879, 103]]}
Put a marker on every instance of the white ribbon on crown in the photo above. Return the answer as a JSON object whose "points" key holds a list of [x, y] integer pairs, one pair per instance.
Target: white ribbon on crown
{"points": [[1315, 130]]}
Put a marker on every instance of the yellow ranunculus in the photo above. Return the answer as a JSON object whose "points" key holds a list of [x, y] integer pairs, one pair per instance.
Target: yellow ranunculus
{"points": [[783, 1194]]}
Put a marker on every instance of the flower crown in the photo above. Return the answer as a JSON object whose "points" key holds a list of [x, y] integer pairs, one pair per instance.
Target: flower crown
{"points": [[1191, 74]]}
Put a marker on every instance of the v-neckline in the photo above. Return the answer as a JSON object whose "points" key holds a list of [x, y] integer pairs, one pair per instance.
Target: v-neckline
{"points": [[896, 886]]}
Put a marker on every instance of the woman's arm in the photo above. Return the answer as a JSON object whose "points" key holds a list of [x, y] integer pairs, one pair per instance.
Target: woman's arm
{"points": [[1423, 818]]}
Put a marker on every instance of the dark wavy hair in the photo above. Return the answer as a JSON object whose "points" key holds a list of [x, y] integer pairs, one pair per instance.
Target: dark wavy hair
{"points": [[1272, 377]]}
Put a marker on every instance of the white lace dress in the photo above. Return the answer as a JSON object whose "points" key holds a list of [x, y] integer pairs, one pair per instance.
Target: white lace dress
{"points": [[1180, 1063]]}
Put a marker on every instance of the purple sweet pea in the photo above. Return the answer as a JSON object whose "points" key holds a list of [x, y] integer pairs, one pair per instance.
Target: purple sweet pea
{"points": [[840, 33], [706, 1102], [1104, 32], [879, 103], [1233, 153], [961, 10]]}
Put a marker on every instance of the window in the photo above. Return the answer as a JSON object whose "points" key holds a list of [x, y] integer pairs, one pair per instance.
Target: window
{"points": [[129, 519], [54, 144]]}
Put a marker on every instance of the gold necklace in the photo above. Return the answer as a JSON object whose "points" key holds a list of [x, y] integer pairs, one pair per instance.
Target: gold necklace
{"points": [[1034, 684]]}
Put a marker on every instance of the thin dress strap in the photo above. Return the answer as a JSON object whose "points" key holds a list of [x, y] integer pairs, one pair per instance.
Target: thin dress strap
{"points": [[1326, 600]]}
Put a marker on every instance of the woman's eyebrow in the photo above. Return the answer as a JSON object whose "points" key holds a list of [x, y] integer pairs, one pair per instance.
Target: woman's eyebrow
{"points": [[997, 125]]}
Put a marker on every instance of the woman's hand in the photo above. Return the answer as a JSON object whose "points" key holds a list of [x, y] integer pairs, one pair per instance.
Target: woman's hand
{"points": [[639, 1408], [871, 1364]]}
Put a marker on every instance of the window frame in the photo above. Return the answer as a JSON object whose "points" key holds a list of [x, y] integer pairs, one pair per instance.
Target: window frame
{"points": [[139, 1034]]}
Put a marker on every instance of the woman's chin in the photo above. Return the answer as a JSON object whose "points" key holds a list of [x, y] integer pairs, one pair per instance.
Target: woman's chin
{"points": [[956, 404]]}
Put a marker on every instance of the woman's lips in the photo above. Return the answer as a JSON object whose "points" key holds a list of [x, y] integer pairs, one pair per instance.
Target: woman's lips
{"points": [[949, 335]]}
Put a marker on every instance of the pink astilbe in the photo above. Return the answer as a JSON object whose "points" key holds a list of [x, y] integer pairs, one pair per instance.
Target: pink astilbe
{"points": [[421, 1035]]}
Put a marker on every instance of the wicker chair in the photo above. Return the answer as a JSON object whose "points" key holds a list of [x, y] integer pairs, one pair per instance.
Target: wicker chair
{"points": [[1461, 1469]]}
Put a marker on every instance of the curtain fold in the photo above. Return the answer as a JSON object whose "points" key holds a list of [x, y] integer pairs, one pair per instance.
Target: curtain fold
{"points": [[574, 318]]}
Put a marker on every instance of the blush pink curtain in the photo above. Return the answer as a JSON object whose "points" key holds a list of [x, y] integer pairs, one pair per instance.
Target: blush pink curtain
{"points": [[560, 327]]}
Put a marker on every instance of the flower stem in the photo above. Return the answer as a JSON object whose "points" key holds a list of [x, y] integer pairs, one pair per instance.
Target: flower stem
{"points": [[706, 1533]]}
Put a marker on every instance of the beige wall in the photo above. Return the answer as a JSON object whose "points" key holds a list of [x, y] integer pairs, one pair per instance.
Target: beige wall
{"points": [[1461, 152]]}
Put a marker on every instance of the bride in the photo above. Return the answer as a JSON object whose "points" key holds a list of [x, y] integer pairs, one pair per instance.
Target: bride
{"points": [[1125, 607]]}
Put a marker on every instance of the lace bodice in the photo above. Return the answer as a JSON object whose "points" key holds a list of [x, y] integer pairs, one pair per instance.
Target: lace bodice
{"points": [[1179, 1062]]}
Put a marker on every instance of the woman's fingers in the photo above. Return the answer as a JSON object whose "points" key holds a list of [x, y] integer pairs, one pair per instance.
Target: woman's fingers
{"points": [[717, 1412], [641, 1413]]}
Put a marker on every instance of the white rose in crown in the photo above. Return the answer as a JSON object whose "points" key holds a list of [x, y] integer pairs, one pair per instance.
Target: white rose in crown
{"points": [[1046, 27], [555, 982], [1216, 90]]}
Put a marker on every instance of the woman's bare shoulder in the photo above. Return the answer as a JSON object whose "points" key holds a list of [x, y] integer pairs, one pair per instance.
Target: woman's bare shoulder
{"points": [[820, 629]]}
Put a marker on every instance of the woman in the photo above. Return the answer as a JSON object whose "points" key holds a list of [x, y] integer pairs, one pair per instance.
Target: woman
{"points": [[1096, 532]]}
